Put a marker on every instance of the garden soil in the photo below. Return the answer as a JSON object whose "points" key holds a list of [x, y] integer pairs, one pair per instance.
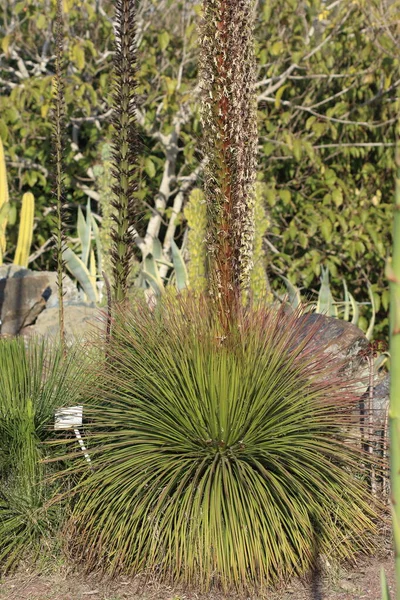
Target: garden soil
{"points": [[359, 582]]}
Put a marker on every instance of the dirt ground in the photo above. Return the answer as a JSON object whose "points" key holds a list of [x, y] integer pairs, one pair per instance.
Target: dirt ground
{"points": [[360, 582]]}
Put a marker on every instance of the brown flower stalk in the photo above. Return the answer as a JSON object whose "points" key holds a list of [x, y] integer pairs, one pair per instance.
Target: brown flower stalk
{"points": [[58, 141], [125, 147], [229, 118]]}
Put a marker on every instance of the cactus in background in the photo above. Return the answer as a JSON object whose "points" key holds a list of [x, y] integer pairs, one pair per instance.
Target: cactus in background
{"points": [[4, 202], [196, 214], [25, 233], [393, 273], [227, 77]]}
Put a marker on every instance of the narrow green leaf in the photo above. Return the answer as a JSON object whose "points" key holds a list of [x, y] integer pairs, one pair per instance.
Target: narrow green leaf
{"points": [[371, 326], [77, 268], [384, 586], [180, 267]]}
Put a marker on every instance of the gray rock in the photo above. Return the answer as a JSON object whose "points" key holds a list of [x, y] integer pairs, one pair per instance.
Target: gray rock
{"points": [[343, 341], [24, 294], [81, 322], [340, 341]]}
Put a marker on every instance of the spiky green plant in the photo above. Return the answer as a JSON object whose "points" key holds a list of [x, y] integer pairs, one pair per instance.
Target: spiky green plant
{"points": [[58, 136], [227, 77], [35, 379], [393, 272], [125, 147], [221, 467]]}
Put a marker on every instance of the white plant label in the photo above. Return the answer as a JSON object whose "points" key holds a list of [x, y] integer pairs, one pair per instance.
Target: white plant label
{"points": [[68, 418]]}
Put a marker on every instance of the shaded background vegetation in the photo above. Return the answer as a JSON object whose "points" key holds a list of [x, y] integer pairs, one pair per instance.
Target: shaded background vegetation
{"points": [[327, 88]]}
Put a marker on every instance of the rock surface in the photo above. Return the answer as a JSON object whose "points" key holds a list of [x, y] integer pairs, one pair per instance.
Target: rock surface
{"points": [[81, 322], [24, 294]]}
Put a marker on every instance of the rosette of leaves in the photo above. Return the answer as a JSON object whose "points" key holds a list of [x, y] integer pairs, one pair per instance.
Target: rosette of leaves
{"points": [[217, 460], [35, 380]]}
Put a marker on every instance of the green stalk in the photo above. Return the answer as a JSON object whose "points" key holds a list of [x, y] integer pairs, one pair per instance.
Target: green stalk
{"points": [[227, 77], [394, 411], [59, 113]]}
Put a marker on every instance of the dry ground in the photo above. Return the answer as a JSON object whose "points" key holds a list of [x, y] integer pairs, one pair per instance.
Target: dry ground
{"points": [[360, 582]]}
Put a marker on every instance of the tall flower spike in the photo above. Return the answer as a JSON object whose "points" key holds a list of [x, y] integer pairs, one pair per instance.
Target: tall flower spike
{"points": [[125, 147], [229, 118], [58, 132]]}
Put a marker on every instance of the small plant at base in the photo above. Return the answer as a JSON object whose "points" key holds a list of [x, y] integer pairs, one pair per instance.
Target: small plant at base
{"points": [[34, 381], [219, 468]]}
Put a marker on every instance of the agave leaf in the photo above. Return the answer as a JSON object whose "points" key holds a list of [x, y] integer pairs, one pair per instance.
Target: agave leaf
{"points": [[356, 310], [326, 304], [157, 250], [99, 252], [371, 326], [87, 234], [380, 361], [385, 593], [293, 293], [180, 267], [347, 303], [155, 283], [79, 270]]}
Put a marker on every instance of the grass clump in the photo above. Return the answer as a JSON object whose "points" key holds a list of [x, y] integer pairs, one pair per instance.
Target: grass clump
{"points": [[218, 458], [34, 381]]}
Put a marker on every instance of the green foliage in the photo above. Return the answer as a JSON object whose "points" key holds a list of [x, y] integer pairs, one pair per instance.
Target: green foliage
{"points": [[86, 270], [327, 139], [259, 285], [196, 216], [149, 274], [328, 174], [217, 460], [34, 382], [325, 304]]}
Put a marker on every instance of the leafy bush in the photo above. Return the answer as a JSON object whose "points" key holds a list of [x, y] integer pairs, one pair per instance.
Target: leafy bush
{"points": [[217, 460], [34, 381]]}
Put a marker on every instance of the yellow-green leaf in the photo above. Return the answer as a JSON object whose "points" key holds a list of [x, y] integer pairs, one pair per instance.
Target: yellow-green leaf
{"points": [[163, 40], [78, 56]]}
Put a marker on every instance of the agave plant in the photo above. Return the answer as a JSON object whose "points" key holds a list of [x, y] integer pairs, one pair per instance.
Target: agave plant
{"points": [[34, 381], [228, 465]]}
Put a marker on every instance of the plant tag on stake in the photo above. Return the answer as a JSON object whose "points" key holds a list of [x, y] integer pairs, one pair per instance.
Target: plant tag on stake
{"points": [[71, 418]]}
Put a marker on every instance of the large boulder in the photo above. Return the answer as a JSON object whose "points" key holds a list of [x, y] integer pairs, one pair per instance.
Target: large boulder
{"points": [[24, 294], [81, 322], [340, 341]]}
